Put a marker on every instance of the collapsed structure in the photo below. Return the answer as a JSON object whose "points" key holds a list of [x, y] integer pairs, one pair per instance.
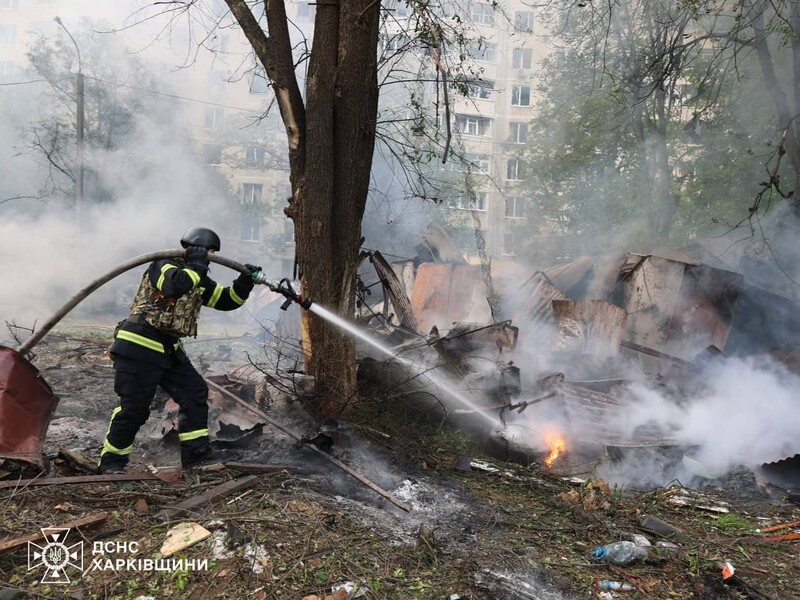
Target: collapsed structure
{"points": [[583, 327]]}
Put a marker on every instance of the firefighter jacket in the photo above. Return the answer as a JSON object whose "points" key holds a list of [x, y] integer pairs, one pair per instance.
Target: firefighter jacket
{"points": [[166, 308]]}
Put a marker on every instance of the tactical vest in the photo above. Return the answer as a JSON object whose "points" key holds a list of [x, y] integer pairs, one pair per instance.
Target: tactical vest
{"points": [[173, 316]]}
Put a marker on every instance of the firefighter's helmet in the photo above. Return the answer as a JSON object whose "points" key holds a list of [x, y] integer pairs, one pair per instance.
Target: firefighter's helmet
{"points": [[200, 236]]}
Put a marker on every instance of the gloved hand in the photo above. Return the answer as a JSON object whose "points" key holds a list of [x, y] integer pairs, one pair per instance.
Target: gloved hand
{"points": [[244, 282], [253, 268], [197, 259]]}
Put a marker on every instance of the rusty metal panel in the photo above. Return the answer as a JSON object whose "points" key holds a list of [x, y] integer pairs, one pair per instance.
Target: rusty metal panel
{"points": [[601, 325], [679, 307], [467, 302], [27, 404], [704, 313], [395, 291], [431, 295], [446, 293], [650, 295], [597, 418], [536, 304]]}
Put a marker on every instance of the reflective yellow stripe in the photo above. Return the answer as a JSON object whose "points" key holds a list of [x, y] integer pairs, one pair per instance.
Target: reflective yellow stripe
{"points": [[108, 447], [215, 296], [235, 298], [164, 270], [140, 340], [192, 435], [111, 420], [193, 276]]}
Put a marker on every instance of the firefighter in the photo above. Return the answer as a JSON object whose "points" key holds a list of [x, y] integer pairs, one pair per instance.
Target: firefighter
{"points": [[147, 350]]}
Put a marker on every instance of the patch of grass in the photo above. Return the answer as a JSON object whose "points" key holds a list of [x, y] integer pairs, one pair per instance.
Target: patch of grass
{"points": [[733, 523]]}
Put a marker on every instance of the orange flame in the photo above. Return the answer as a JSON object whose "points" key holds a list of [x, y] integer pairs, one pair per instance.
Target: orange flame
{"points": [[558, 445]]}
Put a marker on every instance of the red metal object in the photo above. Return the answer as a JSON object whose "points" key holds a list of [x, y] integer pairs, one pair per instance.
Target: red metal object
{"points": [[27, 404]]}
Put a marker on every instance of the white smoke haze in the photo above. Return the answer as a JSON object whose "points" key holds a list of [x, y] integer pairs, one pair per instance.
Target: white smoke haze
{"points": [[161, 189]]}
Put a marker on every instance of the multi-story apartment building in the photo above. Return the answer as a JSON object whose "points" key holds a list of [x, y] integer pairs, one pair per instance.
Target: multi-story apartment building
{"points": [[225, 100], [491, 104]]}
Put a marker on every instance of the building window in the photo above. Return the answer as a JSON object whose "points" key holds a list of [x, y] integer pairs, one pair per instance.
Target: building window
{"points": [[471, 125], [482, 14], [212, 154], [520, 95], [259, 84], [521, 58], [515, 207], [306, 11], [251, 193], [482, 52], [254, 156], [479, 162], [481, 90], [8, 35], [476, 201], [513, 170], [7, 71], [251, 228], [214, 116], [9, 4], [518, 132], [523, 20]]}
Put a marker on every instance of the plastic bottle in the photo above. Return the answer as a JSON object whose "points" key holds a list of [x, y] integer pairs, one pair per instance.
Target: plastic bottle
{"points": [[620, 553], [605, 585]]}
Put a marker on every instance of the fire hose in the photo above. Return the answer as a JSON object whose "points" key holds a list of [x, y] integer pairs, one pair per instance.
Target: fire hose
{"points": [[282, 286]]}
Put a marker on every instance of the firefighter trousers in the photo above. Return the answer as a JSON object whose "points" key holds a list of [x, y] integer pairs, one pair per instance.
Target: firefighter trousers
{"points": [[135, 382]]}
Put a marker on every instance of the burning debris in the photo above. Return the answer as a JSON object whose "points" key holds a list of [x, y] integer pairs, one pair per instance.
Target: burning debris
{"points": [[629, 334]]}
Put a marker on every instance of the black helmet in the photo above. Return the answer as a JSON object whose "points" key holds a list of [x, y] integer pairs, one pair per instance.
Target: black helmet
{"points": [[200, 236]]}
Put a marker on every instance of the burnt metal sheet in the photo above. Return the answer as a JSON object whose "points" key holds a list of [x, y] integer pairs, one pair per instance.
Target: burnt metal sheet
{"points": [[704, 312], [572, 275], [678, 307], [536, 300], [228, 422], [431, 294], [446, 293], [600, 325], [396, 292], [27, 404], [651, 293], [596, 417], [467, 300]]}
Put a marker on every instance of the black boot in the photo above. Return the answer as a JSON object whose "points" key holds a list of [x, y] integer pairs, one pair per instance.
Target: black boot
{"points": [[112, 463], [193, 455]]}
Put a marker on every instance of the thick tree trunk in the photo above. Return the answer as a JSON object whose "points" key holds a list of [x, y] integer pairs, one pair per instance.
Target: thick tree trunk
{"points": [[342, 101], [331, 142]]}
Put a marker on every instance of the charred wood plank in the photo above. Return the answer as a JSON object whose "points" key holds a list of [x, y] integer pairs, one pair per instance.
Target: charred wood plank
{"points": [[180, 509], [395, 291], [77, 479]]}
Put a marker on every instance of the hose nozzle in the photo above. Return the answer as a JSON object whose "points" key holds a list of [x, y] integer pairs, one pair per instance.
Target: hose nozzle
{"points": [[283, 287]]}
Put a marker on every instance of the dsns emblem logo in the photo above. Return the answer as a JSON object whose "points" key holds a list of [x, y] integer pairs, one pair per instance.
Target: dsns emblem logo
{"points": [[55, 555]]}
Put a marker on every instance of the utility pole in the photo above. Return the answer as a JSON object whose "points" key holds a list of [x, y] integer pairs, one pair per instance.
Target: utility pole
{"points": [[79, 123]]}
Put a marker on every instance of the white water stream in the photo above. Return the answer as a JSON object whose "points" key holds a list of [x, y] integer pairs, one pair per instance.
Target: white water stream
{"points": [[438, 379]]}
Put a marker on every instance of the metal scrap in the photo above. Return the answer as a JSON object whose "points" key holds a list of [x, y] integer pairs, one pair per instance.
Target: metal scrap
{"points": [[27, 404]]}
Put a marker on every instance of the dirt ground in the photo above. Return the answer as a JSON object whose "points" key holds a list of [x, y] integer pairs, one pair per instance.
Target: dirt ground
{"points": [[496, 529]]}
